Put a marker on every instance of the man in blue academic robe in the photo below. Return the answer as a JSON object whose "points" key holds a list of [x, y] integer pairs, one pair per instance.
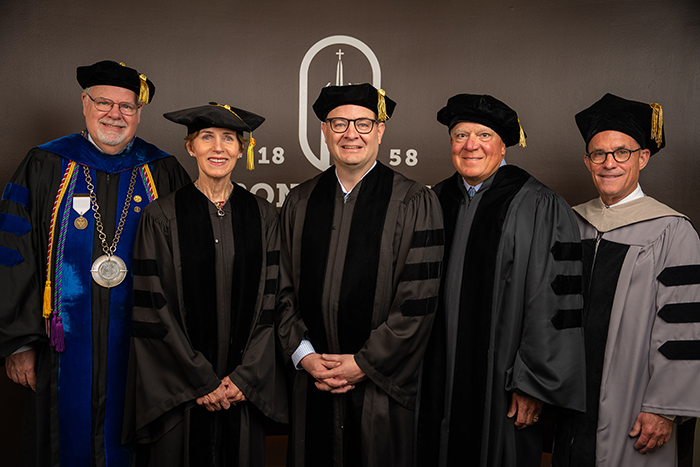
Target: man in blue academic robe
{"points": [[68, 219]]}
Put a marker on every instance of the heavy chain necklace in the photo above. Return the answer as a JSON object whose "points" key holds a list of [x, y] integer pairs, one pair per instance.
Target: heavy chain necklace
{"points": [[219, 204], [109, 270]]}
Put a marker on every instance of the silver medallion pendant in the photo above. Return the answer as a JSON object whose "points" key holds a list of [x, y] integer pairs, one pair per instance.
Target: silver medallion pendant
{"points": [[108, 271]]}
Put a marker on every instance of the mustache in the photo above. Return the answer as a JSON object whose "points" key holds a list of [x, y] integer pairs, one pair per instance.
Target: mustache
{"points": [[110, 121]]}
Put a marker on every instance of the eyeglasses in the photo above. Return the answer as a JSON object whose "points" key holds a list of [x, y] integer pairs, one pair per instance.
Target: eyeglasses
{"points": [[620, 155], [341, 125], [105, 105]]}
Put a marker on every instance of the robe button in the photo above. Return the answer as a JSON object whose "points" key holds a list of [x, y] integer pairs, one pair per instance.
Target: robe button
{"points": [[334, 227], [216, 240]]}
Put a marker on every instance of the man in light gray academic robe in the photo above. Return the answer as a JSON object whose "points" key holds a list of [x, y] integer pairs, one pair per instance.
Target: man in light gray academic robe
{"points": [[642, 307]]}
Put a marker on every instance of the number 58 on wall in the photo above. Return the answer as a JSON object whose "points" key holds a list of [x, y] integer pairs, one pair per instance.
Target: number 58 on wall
{"points": [[395, 157]]}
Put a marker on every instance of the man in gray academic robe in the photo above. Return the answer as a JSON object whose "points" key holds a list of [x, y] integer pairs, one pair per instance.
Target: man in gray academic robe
{"points": [[507, 337], [642, 313], [360, 268]]}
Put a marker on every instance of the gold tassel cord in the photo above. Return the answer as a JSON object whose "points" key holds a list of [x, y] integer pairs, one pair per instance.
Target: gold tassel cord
{"points": [[228, 107], [63, 187], [521, 143], [144, 93], [251, 154], [381, 106], [47, 299], [657, 124]]}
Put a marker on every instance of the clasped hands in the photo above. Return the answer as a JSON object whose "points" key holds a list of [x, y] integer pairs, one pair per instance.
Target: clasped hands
{"points": [[336, 373], [222, 397]]}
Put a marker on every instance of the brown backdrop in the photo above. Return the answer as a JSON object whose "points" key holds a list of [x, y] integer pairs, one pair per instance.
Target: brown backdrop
{"points": [[547, 59]]}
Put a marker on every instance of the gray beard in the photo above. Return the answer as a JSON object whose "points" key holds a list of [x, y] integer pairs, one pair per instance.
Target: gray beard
{"points": [[110, 139]]}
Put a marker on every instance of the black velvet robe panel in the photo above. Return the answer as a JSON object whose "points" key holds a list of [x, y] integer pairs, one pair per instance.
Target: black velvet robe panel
{"points": [[519, 323], [356, 425]]}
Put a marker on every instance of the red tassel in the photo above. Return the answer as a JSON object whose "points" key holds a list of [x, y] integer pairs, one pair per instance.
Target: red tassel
{"points": [[57, 340]]}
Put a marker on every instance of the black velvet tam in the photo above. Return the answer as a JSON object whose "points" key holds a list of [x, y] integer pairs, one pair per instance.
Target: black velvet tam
{"points": [[364, 95], [110, 73], [215, 116], [641, 121], [485, 110]]}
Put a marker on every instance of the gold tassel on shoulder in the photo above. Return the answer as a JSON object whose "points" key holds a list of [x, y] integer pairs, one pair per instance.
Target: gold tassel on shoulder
{"points": [[521, 143], [47, 299], [657, 124], [381, 106]]}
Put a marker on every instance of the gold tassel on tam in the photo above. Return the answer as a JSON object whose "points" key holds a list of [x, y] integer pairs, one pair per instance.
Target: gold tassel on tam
{"points": [[143, 89], [251, 154], [657, 124], [521, 143], [381, 106]]}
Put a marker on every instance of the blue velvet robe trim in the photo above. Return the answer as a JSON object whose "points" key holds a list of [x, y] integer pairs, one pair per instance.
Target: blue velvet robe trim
{"points": [[72, 269], [74, 304], [10, 257], [77, 148], [16, 193], [14, 224]]}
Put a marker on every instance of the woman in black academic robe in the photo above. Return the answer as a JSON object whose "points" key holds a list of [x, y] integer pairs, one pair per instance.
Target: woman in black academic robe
{"points": [[203, 373]]}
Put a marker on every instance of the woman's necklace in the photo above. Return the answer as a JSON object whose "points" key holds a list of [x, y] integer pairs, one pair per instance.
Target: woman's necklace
{"points": [[219, 204]]}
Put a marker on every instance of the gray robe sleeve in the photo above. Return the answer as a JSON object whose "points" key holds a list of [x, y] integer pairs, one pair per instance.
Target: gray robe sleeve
{"points": [[289, 323], [549, 363], [674, 367], [392, 355]]}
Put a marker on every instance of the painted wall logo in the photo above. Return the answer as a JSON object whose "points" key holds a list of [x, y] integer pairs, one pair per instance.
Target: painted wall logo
{"points": [[322, 160]]}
